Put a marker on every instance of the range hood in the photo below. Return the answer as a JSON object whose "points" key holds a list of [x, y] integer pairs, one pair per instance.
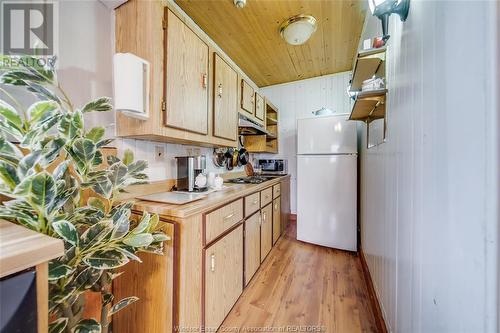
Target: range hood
{"points": [[248, 127]]}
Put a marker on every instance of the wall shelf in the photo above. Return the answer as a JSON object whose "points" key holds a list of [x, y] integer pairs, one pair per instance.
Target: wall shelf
{"points": [[368, 63], [265, 143], [367, 109], [368, 105]]}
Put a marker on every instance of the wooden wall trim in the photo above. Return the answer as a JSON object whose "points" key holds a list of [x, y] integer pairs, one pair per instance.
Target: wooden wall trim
{"points": [[374, 302]]}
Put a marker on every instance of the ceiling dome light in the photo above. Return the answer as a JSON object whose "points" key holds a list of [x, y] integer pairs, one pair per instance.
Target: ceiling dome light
{"points": [[240, 3], [298, 29]]}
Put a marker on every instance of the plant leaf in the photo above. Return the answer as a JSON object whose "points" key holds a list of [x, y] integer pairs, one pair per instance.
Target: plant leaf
{"points": [[42, 92], [87, 278], [87, 326], [128, 157], [137, 167], [101, 104], [138, 240], [58, 325], [95, 134], [96, 203], [106, 259], [58, 270], [143, 224], [39, 189], [159, 237], [107, 299], [10, 114], [51, 150], [39, 110], [129, 252], [103, 186], [118, 174], [122, 304], [112, 159], [96, 233], [8, 175], [66, 231], [28, 162]]}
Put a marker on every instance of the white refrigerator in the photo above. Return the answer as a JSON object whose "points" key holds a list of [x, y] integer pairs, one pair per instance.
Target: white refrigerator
{"points": [[327, 182]]}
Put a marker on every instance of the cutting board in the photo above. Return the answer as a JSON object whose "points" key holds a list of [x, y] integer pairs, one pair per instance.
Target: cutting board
{"points": [[176, 198]]}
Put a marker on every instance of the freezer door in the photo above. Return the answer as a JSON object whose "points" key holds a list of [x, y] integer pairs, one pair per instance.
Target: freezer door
{"points": [[326, 135], [326, 200]]}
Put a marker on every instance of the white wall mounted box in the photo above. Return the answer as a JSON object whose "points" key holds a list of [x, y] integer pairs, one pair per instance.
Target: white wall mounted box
{"points": [[112, 4], [131, 85]]}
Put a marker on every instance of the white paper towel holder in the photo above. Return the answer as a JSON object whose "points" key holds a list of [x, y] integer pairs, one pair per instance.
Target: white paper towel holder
{"points": [[131, 85]]}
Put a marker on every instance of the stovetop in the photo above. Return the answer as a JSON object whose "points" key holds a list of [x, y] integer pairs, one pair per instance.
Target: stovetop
{"points": [[250, 180]]}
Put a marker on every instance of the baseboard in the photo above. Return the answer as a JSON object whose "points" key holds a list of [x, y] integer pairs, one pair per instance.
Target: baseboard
{"points": [[377, 311]]}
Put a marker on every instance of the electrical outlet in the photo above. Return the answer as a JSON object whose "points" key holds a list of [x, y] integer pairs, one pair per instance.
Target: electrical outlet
{"points": [[159, 153]]}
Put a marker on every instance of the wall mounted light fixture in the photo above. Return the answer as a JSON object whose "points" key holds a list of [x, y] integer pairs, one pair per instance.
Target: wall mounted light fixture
{"points": [[384, 8]]}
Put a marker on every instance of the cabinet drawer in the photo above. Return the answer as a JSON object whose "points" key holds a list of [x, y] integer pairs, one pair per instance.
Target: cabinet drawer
{"points": [[222, 219], [252, 204], [276, 191], [266, 196]]}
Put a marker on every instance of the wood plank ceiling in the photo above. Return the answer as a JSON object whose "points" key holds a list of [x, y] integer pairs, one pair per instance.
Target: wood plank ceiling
{"points": [[250, 36]]}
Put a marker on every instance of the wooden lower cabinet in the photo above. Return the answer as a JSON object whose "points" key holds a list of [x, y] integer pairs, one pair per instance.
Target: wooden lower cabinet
{"points": [[252, 246], [153, 282], [223, 277], [266, 231], [285, 202], [276, 219]]}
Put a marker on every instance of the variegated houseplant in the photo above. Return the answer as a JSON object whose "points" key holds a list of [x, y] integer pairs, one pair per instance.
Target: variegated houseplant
{"points": [[47, 162]]}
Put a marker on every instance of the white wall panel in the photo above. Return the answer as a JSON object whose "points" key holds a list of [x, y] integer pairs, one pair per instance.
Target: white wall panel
{"points": [[429, 195], [297, 100]]}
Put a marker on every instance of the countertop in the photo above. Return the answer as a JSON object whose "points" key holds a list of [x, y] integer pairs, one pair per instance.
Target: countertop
{"points": [[213, 200], [21, 248]]}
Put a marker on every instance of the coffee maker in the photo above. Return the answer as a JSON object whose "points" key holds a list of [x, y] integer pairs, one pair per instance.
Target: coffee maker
{"points": [[188, 167]]}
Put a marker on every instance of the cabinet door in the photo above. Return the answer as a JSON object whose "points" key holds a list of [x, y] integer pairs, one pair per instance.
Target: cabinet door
{"points": [[285, 203], [186, 71], [146, 280], [276, 219], [266, 231], [225, 100], [247, 97], [260, 112], [252, 246], [223, 277]]}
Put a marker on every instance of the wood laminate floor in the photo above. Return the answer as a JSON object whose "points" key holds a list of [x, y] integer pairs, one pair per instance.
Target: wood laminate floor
{"points": [[304, 288]]}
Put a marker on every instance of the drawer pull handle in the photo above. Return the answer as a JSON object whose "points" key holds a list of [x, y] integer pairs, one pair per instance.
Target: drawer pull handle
{"points": [[260, 220], [212, 262], [276, 206], [255, 202], [229, 216], [220, 90], [204, 79], [264, 217]]}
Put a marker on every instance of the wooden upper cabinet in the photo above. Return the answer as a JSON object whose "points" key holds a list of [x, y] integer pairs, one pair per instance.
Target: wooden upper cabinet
{"points": [[247, 97], [225, 100], [260, 107], [186, 81], [223, 277]]}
